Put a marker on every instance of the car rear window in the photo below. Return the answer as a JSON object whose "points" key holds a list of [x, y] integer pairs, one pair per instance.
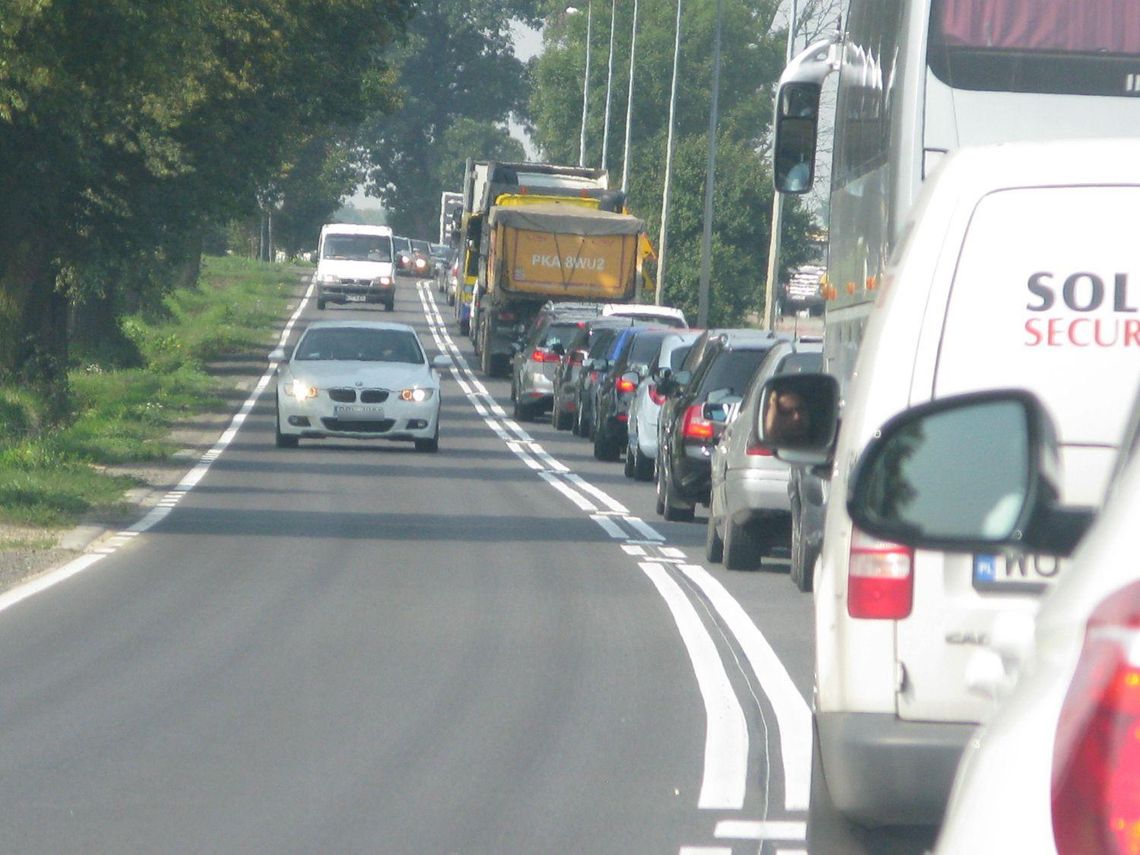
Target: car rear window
{"points": [[645, 348], [559, 333], [801, 363], [731, 370]]}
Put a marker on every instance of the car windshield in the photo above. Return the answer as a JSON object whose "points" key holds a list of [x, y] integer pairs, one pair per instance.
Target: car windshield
{"points": [[360, 344], [358, 247]]}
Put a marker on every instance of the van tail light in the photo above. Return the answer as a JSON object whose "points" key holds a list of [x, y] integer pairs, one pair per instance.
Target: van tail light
{"points": [[541, 354], [624, 385], [1096, 752], [655, 396], [880, 579], [695, 427]]}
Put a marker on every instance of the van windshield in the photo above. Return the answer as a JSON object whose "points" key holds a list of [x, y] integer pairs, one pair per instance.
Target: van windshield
{"points": [[358, 247]]}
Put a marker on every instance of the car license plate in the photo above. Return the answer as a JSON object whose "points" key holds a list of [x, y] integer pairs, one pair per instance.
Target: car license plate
{"points": [[349, 412], [1016, 573], [355, 298]]}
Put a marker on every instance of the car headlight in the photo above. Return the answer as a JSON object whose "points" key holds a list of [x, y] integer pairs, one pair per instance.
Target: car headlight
{"points": [[299, 389], [381, 281], [416, 395], [420, 263]]}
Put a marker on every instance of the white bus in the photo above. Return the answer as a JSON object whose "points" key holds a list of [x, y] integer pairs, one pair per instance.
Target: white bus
{"points": [[919, 78]]}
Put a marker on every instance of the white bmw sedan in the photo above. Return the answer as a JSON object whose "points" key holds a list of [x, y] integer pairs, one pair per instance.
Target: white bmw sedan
{"points": [[358, 380]]}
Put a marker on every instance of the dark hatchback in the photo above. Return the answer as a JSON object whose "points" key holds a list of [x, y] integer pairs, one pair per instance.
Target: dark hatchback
{"points": [[636, 349], [718, 368]]}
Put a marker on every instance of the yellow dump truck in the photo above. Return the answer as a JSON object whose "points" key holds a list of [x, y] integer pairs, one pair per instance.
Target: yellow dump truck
{"points": [[551, 251]]}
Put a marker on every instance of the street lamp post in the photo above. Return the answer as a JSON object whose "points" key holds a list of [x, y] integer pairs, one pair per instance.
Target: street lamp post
{"points": [[663, 240], [585, 82], [629, 104], [609, 86], [710, 180], [777, 212]]}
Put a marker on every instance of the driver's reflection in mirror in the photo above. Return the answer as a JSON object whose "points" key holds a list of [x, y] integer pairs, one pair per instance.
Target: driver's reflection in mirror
{"points": [[786, 418]]}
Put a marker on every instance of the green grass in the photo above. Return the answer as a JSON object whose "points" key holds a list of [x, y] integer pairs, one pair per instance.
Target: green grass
{"points": [[51, 477]]}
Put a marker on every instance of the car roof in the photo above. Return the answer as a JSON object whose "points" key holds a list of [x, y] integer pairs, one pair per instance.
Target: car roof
{"points": [[746, 339], [374, 325]]}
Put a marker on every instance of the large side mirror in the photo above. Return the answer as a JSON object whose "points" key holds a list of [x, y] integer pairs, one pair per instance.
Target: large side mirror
{"points": [[974, 472], [281, 354], [797, 123], [799, 417], [441, 362]]}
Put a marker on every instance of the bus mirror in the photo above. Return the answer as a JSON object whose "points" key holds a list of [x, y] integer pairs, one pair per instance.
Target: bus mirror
{"points": [[797, 117]]}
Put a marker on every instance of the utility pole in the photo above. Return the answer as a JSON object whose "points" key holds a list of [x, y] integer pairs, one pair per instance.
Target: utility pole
{"points": [[663, 240], [710, 180]]}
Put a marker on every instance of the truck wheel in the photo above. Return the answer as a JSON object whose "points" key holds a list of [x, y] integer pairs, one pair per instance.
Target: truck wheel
{"points": [[741, 546]]}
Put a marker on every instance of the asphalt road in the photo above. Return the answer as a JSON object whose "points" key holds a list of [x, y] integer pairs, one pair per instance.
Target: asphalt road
{"points": [[355, 647]]}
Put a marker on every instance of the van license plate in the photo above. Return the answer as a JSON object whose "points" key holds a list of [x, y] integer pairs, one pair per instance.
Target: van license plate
{"points": [[1016, 573], [355, 298]]}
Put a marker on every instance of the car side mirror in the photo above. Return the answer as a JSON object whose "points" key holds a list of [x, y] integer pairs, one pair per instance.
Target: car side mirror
{"points": [[971, 473], [441, 362], [798, 416], [281, 354]]}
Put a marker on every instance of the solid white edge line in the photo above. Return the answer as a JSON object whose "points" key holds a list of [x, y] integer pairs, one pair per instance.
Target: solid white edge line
{"points": [[791, 710], [609, 526], [569, 492], [726, 732]]}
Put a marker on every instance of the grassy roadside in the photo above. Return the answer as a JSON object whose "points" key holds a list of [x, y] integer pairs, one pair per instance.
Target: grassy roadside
{"points": [[50, 478]]}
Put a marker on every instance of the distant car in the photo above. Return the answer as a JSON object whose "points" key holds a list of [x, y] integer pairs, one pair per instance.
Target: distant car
{"points": [[564, 409], [595, 368], [410, 261], [645, 408], [635, 350], [358, 380], [354, 265], [423, 265], [665, 316], [441, 255], [716, 372], [537, 358], [749, 511]]}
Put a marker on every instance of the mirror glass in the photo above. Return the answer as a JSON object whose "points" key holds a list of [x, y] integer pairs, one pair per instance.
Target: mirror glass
{"points": [[796, 120], [961, 473]]}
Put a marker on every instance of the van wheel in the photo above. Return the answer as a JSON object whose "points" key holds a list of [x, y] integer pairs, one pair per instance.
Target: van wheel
{"points": [[714, 546], [741, 546]]}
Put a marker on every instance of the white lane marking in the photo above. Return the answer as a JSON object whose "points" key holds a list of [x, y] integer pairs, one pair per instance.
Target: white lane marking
{"points": [[740, 829], [609, 526], [645, 529], [167, 503], [791, 711], [726, 732], [704, 850]]}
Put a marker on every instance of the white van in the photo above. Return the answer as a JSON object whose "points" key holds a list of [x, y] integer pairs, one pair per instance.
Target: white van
{"points": [[355, 265], [1020, 267]]}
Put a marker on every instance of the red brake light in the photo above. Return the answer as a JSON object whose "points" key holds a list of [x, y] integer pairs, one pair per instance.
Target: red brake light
{"points": [[655, 396], [695, 426], [1096, 753], [755, 449], [624, 384], [880, 579], [541, 354]]}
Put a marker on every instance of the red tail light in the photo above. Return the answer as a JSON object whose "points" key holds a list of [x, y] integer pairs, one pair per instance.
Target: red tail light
{"points": [[880, 579], [655, 396], [755, 449], [1096, 754], [695, 426], [543, 355], [624, 384]]}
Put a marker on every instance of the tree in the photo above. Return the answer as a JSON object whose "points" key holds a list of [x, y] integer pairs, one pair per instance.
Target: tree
{"points": [[126, 128], [459, 84]]}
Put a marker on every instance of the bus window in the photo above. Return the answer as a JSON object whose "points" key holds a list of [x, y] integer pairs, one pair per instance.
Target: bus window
{"points": [[1064, 47]]}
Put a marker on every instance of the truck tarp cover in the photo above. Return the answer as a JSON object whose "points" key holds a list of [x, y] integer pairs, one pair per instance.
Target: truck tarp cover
{"points": [[566, 219]]}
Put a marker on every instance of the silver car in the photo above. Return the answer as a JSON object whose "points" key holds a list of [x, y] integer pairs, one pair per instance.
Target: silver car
{"points": [[749, 510], [641, 436]]}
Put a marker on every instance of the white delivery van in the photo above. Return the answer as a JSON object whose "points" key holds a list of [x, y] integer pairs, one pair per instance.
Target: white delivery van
{"points": [[1020, 267], [355, 265]]}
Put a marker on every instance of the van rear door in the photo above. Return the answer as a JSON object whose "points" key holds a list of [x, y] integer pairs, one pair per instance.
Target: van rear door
{"points": [[1045, 294]]}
